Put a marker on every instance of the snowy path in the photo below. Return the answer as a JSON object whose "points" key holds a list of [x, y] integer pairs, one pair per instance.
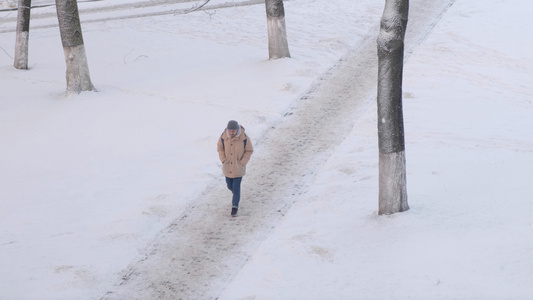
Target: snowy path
{"points": [[44, 14], [199, 253]]}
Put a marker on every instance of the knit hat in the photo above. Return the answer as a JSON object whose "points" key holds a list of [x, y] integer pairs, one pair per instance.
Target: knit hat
{"points": [[233, 125]]}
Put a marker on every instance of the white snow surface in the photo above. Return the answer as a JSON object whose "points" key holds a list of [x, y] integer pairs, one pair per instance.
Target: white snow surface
{"points": [[87, 181]]}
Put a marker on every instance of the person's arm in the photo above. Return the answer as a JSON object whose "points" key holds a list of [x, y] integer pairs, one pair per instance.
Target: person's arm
{"points": [[220, 149], [248, 150]]}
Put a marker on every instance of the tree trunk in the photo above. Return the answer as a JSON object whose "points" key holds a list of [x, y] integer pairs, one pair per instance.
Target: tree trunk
{"points": [[23, 34], [278, 47], [78, 78], [392, 174]]}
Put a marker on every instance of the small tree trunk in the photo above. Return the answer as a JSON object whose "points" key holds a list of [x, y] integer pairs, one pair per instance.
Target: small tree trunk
{"points": [[23, 35], [78, 77], [392, 178], [278, 47]]}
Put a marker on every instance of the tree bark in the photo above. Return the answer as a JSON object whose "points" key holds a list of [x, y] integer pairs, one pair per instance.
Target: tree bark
{"points": [[392, 173], [278, 47], [23, 34], [77, 74]]}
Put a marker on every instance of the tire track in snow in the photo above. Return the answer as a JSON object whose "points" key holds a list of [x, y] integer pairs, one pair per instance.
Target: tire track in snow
{"points": [[197, 255]]}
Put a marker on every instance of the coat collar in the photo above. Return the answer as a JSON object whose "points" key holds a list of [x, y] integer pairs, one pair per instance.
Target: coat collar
{"points": [[238, 135]]}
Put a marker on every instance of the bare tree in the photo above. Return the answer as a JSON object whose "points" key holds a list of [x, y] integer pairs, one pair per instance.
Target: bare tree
{"points": [[23, 34], [78, 77], [392, 174], [278, 47]]}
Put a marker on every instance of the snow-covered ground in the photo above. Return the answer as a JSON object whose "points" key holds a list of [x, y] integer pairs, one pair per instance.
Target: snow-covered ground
{"points": [[87, 181]]}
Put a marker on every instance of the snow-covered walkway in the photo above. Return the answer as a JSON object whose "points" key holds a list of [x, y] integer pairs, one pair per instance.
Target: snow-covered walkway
{"points": [[199, 253], [98, 11]]}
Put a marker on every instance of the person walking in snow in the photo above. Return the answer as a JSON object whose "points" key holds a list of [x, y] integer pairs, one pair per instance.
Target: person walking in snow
{"points": [[234, 149]]}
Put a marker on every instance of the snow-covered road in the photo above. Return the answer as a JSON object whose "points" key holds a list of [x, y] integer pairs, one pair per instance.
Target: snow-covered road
{"points": [[200, 252], [44, 15]]}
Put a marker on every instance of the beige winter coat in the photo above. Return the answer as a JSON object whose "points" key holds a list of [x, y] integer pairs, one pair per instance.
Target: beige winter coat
{"points": [[234, 153]]}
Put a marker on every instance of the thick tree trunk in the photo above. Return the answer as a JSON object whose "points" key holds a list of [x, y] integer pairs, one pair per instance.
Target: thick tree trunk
{"points": [[23, 35], [78, 77], [392, 174], [278, 47]]}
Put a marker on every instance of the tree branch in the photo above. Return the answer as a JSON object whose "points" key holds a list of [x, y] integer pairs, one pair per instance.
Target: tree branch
{"points": [[197, 7]]}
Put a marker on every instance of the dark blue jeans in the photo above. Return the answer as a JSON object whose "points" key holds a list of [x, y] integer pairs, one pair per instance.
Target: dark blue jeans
{"points": [[234, 185]]}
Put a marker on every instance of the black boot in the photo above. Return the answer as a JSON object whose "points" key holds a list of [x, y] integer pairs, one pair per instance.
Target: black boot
{"points": [[234, 211]]}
